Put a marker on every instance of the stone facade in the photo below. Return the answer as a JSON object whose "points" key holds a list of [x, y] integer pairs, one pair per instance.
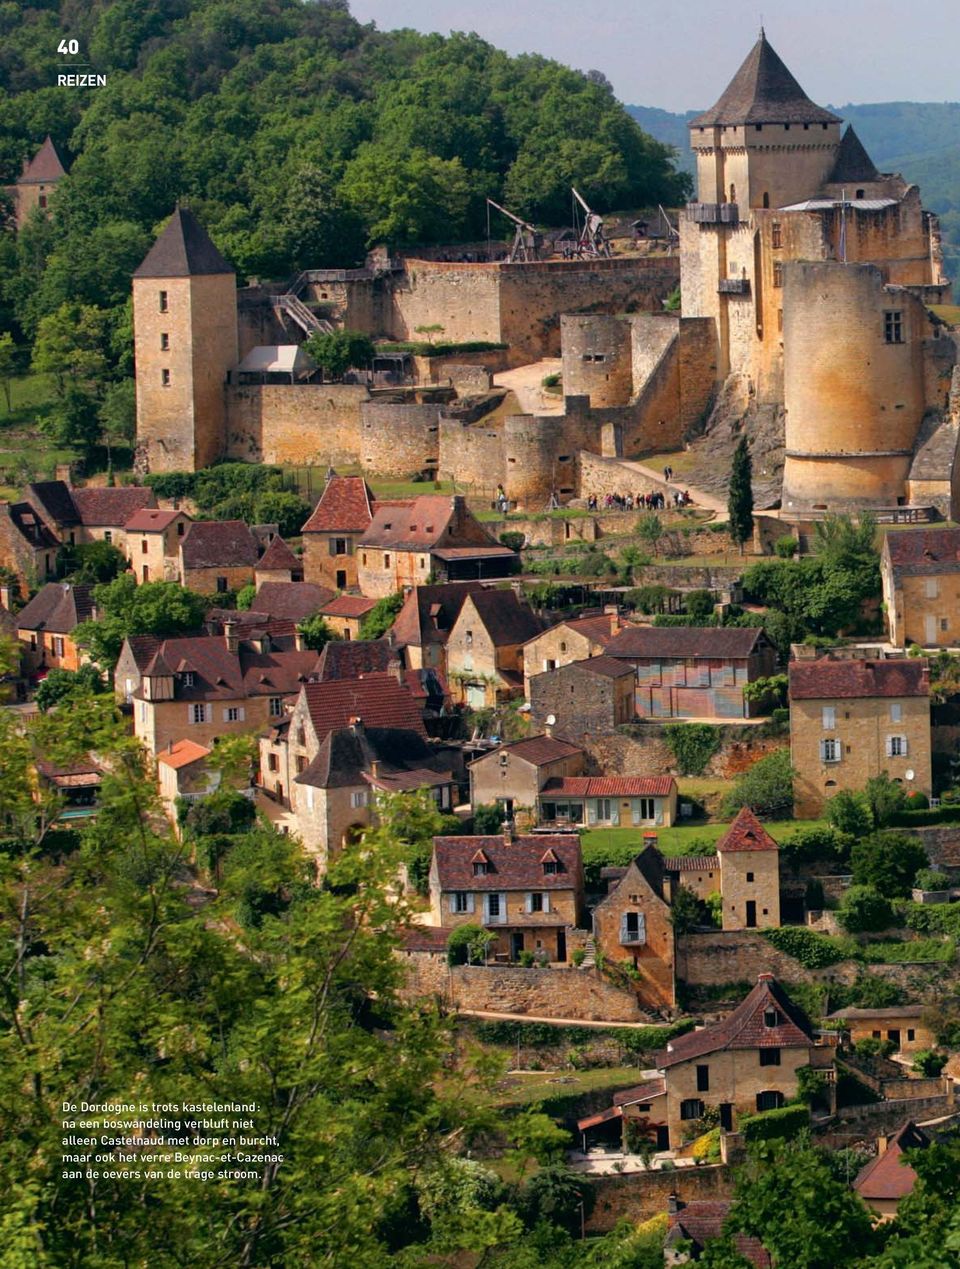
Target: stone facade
{"points": [[583, 700], [921, 588], [302, 424], [632, 926], [154, 555], [510, 778], [568, 641]]}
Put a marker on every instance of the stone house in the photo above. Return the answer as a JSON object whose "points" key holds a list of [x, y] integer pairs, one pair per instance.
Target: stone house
{"points": [[217, 556], [528, 891], [902, 1024], [345, 614], [152, 540], [693, 1225], [920, 571], [29, 549], [335, 797], [182, 774], [433, 537], [287, 600], [36, 182], [277, 564], [632, 926], [573, 640], [511, 776], [851, 720], [585, 698], [330, 536], [694, 671], [745, 872], [422, 626], [485, 647], [888, 1178], [742, 1065], [203, 687], [91, 514], [46, 624], [618, 801]]}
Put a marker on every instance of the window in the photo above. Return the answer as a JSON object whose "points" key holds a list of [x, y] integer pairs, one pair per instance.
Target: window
{"points": [[480, 869], [859, 193], [493, 905], [165, 378], [780, 319], [876, 1034], [550, 866], [468, 638], [198, 713], [364, 557], [461, 901], [57, 646], [358, 798], [144, 547], [893, 327], [896, 746], [276, 706], [776, 234], [42, 200], [179, 528], [386, 559], [162, 301], [896, 712], [535, 902], [633, 927], [771, 1017], [932, 587], [107, 537], [766, 198], [188, 678], [911, 1034], [691, 1108], [944, 623], [222, 586], [273, 763], [771, 1099], [164, 342], [647, 809], [233, 714], [830, 751], [301, 764], [829, 717], [749, 876], [703, 1079], [769, 1057], [340, 546], [777, 273]]}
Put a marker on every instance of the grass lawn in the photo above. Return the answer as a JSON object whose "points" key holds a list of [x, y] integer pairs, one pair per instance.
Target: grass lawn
{"points": [[520, 1090], [24, 449], [31, 398], [685, 839]]}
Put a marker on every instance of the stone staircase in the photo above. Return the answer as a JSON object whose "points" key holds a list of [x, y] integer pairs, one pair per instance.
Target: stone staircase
{"points": [[590, 960]]}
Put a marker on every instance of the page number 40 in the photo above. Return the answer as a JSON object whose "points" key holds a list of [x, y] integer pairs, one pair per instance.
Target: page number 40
{"points": [[69, 46]]}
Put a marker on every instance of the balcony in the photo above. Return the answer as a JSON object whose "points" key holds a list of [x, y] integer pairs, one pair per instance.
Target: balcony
{"points": [[713, 213], [734, 286]]}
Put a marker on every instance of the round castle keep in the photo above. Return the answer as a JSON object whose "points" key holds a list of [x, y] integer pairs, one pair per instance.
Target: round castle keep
{"points": [[853, 385], [397, 440], [597, 358]]}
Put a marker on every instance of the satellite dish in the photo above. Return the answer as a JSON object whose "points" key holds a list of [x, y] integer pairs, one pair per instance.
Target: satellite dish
{"points": [[910, 773], [551, 719]]}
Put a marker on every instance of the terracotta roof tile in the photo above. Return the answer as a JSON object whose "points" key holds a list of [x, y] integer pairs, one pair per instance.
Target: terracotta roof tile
{"points": [[346, 505], [923, 552], [278, 556], [348, 606], [431, 520], [182, 753], [691, 863], [150, 520], [219, 544], [889, 1176], [607, 666], [220, 674], [290, 601], [58, 607], [702, 1220], [827, 679], [745, 1028], [379, 700], [746, 833], [610, 786], [429, 612], [108, 507], [640, 1093], [350, 658], [515, 865], [667, 642], [506, 620], [45, 166], [599, 628]]}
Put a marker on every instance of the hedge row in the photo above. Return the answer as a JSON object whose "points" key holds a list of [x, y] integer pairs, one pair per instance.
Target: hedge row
{"points": [[927, 815], [423, 349], [542, 1035], [785, 1122]]}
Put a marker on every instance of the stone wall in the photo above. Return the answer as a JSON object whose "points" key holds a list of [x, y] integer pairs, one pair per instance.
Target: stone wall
{"points": [[638, 1196], [398, 440], [462, 298], [571, 994], [643, 749], [299, 424]]}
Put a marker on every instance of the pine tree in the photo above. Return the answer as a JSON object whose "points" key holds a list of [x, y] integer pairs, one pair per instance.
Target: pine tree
{"points": [[740, 497]]}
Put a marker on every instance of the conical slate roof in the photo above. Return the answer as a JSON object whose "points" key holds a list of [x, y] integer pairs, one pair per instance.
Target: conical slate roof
{"points": [[44, 168], [183, 250], [852, 163], [763, 91]]}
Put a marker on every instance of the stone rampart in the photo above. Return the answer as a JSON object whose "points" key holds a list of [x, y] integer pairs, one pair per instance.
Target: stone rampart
{"points": [[297, 424], [398, 440]]}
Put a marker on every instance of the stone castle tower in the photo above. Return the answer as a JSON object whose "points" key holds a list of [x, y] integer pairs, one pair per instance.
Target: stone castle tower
{"points": [[185, 343], [36, 182]]}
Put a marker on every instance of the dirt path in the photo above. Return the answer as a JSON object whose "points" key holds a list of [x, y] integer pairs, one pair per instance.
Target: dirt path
{"points": [[526, 383], [701, 498]]}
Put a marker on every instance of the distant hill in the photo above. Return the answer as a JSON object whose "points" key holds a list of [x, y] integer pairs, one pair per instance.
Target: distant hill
{"points": [[921, 139]]}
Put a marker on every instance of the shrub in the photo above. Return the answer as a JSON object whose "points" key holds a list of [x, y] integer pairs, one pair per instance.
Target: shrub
{"points": [[686, 912], [929, 1062], [786, 1123], [786, 547], [886, 799], [766, 788], [810, 949], [699, 603], [812, 1086], [381, 616], [513, 539], [871, 1047], [917, 801], [849, 813], [692, 745], [225, 811], [578, 956], [488, 818], [889, 861], [864, 909], [931, 879], [820, 842], [468, 944], [526, 959]]}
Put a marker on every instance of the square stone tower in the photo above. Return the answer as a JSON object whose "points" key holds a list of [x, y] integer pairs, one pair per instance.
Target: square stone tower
{"points": [[185, 343], [37, 181]]}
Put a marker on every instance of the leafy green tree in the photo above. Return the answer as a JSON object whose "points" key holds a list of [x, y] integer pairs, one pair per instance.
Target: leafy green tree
{"points": [[225, 811], [766, 788], [408, 196], [864, 909], [888, 861], [651, 531], [66, 685], [282, 507], [118, 417], [338, 352], [381, 617], [740, 496], [849, 813], [699, 604], [92, 562], [412, 821], [686, 912], [885, 798], [124, 608], [316, 632], [558, 1196], [536, 1136], [72, 345], [488, 818], [8, 364], [245, 596]]}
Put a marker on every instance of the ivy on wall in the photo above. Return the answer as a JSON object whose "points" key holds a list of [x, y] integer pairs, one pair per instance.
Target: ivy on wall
{"points": [[692, 745]]}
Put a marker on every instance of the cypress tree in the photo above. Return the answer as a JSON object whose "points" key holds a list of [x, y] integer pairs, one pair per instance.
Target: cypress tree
{"points": [[740, 497]]}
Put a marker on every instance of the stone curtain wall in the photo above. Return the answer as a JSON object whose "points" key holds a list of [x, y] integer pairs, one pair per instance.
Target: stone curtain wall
{"points": [[299, 424], [398, 440]]}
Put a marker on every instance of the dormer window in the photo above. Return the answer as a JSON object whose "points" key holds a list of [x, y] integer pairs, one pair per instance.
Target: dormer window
{"points": [[771, 1017], [480, 869], [550, 867], [189, 678]]}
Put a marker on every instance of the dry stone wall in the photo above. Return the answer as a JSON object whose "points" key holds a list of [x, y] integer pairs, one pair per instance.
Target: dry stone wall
{"points": [[638, 1196]]}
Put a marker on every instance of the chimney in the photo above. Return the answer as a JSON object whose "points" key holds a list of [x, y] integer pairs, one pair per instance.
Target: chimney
{"points": [[298, 642], [375, 769], [6, 596], [882, 1143], [650, 839], [507, 831], [230, 636], [356, 725], [674, 1204]]}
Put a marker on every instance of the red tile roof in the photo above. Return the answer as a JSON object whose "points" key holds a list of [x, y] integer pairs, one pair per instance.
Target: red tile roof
{"points": [[826, 679], [611, 786], [424, 522], [745, 1028], [691, 863], [220, 674], [607, 666], [379, 700], [598, 628], [702, 1220], [44, 168], [348, 606], [290, 601], [514, 865], [346, 505], [721, 643], [350, 658], [182, 753], [889, 1176], [424, 938], [924, 552], [538, 750], [746, 833], [150, 520], [640, 1093], [219, 544], [278, 556], [106, 508]]}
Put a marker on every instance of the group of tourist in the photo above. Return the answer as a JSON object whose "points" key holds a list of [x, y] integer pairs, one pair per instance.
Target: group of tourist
{"points": [[654, 501]]}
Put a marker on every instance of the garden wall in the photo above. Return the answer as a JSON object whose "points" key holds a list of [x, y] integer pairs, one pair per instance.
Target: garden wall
{"points": [[639, 1195], [643, 748]]}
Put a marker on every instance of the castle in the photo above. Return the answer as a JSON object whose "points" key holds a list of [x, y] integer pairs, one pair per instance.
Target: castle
{"points": [[806, 277]]}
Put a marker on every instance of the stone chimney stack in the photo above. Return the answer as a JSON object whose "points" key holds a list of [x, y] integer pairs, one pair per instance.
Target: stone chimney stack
{"points": [[230, 636], [507, 830]]}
